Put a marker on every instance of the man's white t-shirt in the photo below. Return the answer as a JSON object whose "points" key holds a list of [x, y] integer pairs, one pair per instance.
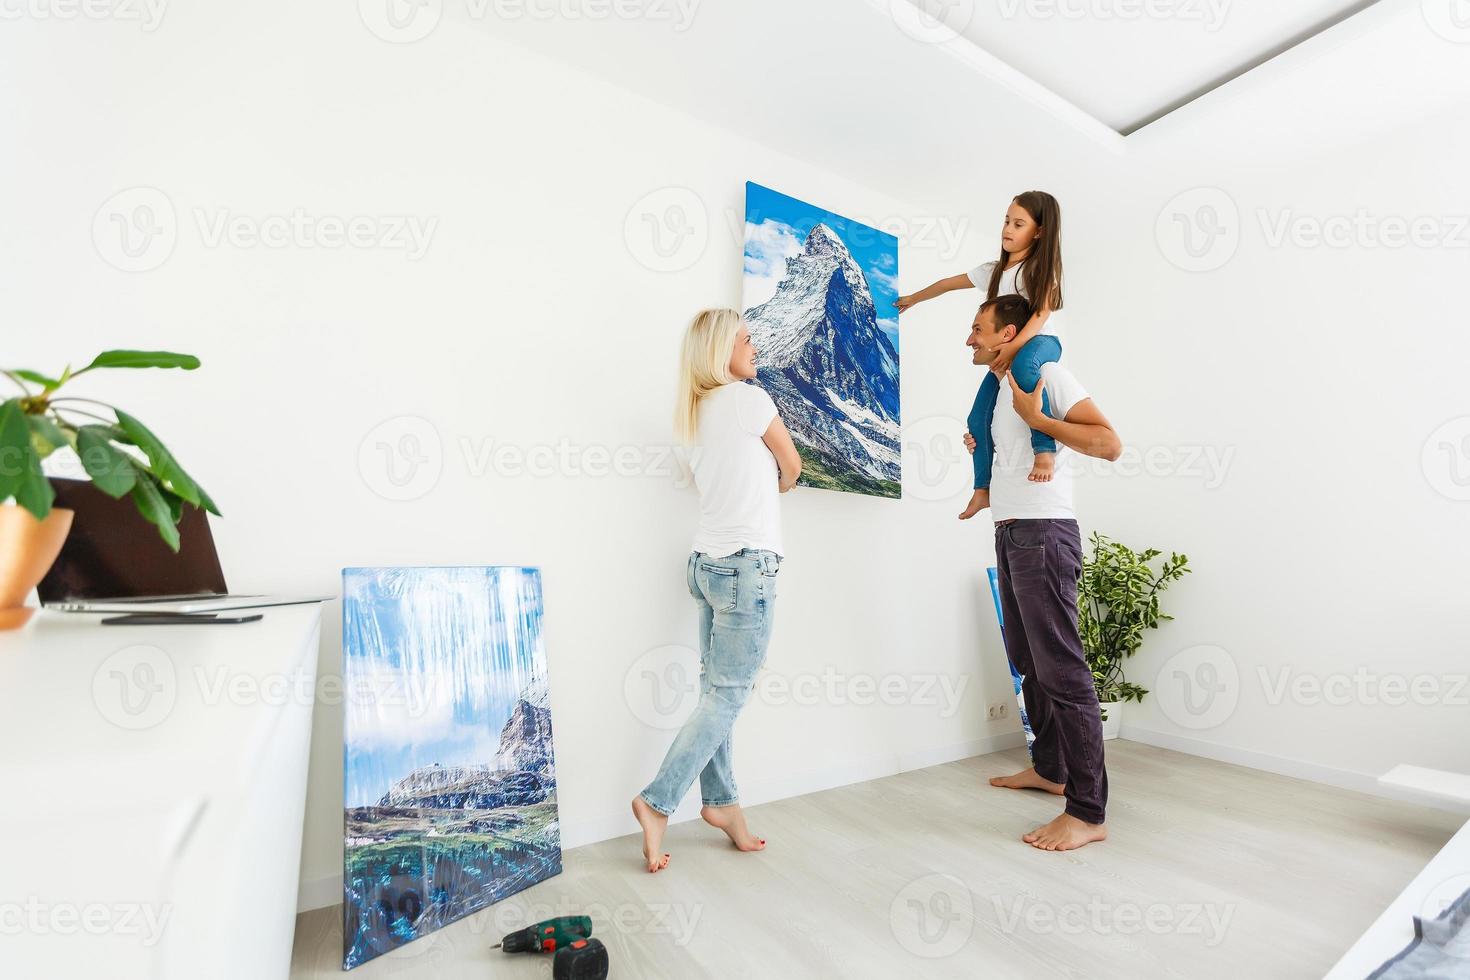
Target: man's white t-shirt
{"points": [[735, 473], [1011, 494], [1012, 282]]}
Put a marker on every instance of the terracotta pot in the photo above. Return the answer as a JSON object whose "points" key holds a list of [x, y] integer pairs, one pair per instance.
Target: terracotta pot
{"points": [[27, 549]]}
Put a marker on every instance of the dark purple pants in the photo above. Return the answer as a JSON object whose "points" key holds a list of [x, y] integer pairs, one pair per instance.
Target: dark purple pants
{"points": [[1039, 562]]}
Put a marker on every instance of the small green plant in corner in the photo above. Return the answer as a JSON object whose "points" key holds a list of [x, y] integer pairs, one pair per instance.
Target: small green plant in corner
{"points": [[1117, 600], [120, 455]]}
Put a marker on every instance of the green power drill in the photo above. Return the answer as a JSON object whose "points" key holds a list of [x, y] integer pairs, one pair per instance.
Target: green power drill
{"points": [[548, 936]]}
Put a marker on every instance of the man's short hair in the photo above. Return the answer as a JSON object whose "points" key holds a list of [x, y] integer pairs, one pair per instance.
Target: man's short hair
{"points": [[1011, 310]]}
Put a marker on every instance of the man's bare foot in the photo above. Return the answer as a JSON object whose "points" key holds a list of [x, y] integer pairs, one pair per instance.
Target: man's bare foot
{"points": [[654, 824], [731, 819], [1028, 779], [1065, 833], [1041, 469], [979, 500]]}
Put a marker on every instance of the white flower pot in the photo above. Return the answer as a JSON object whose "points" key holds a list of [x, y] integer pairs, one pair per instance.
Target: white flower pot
{"points": [[1112, 719]]}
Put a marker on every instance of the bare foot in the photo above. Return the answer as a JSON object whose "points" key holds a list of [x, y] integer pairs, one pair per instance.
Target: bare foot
{"points": [[653, 824], [731, 819], [1065, 833], [1041, 469], [979, 500], [1028, 779]]}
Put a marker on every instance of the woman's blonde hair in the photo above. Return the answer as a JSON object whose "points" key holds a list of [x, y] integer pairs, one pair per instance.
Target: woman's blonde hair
{"points": [[704, 364]]}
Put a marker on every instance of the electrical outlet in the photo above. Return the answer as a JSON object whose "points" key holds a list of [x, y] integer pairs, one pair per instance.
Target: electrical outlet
{"points": [[998, 711]]}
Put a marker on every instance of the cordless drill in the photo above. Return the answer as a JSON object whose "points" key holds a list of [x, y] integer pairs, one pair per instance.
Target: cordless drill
{"points": [[548, 936]]}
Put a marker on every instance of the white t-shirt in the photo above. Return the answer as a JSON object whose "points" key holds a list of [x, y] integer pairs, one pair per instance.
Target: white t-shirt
{"points": [[1012, 282], [1011, 494], [735, 473]]}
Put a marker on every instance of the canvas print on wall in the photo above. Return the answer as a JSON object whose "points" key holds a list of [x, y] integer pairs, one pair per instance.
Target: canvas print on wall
{"points": [[450, 794], [818, 299]]}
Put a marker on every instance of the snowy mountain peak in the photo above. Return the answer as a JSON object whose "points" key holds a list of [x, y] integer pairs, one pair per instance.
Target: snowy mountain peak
{"points": [[822, 240]]}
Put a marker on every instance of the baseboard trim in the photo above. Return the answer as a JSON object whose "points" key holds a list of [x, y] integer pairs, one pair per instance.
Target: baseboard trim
{"points": [[316, 893], [1361, 782]]}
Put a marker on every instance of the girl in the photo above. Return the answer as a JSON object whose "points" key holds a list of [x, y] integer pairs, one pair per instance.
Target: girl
{"points": [[742, 458], [1030, 264]]}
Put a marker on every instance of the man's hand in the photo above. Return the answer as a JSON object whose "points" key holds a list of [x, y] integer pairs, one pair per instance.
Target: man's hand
{"points": [[1028, 403], [1004, 355], [969, 441]]}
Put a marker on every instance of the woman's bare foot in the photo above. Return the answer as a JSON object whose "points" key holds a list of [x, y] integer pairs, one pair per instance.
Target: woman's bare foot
{"points": [[731, 819], [1041, 469], [654, 824], [1065, 833], [979, 500], [1028, 779]]}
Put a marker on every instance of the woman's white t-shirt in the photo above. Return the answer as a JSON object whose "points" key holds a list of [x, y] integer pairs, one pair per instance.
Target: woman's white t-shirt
{"points": [[1011, 282], [735, 473]]}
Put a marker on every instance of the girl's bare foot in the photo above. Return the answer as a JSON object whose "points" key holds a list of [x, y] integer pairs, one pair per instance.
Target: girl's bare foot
{"points": [[731, 819], [1041, 469], [979, 500], [1028, 779], [1065, 833], [654, 824]]}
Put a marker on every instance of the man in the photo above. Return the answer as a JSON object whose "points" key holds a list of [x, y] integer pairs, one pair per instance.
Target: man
{"points": [[1039, 554]]}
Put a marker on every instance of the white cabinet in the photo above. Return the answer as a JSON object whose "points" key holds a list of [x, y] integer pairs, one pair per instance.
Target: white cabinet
{"points": [[155, 784]]}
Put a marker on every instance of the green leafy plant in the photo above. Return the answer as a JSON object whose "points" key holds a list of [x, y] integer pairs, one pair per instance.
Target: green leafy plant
{"points": [[1117, 600], [120, 455]]}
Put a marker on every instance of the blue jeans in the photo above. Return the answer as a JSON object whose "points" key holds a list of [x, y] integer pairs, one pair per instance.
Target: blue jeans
{"points": [[1039, 350], [736, 596]]}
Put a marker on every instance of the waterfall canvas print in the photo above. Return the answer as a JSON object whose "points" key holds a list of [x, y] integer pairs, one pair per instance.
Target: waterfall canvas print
{"points": [[818, 299], [450, 779]]}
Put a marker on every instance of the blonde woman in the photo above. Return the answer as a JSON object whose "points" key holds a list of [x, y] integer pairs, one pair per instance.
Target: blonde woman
{"points": [[742, 458]]}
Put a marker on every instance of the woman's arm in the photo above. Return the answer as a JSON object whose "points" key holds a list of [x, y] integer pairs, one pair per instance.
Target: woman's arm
{"points": [[778, 441], [961, 281]]}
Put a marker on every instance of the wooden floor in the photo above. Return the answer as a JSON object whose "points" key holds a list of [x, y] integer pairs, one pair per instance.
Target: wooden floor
{"points": [[1211, 870]]}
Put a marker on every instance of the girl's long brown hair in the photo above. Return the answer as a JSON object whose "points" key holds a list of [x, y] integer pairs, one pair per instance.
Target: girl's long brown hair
{"points": [[1041, 270]]}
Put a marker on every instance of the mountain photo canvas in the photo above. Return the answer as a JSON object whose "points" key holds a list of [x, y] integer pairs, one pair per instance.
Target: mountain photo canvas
{"points": [[450, 778], [818, 300]]}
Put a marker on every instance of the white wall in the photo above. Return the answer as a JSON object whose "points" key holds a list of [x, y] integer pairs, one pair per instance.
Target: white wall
{"points": [[529, 322], [1329, 552]]}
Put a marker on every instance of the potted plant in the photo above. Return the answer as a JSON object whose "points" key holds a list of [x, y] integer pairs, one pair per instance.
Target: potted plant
{"points": [[119, 454], [1117, 600]]}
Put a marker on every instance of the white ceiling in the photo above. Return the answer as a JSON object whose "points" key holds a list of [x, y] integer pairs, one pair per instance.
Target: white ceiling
{"points": [[848, 86], [1128, 62]]}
